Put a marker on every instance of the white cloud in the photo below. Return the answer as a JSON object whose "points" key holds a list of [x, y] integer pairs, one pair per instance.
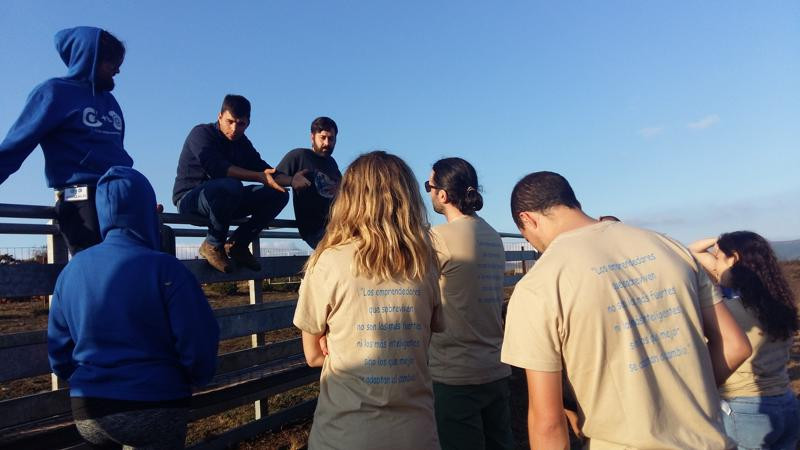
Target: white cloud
{"points": [[649, 132], [771, 215], [706, 122]]}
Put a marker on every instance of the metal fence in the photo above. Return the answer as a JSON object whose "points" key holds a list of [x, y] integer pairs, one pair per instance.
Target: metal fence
{"points": [[190, 252]]}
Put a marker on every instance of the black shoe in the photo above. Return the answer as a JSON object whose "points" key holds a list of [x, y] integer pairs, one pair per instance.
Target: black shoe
{"points": [[242, 256]]}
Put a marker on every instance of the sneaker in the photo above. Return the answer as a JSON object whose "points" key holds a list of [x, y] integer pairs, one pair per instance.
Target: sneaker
{"points": [[242, 256], [216, 257]]}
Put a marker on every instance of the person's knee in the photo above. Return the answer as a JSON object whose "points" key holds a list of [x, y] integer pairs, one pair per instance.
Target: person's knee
{"points": [[272, 198], [283, 198], [229, 187]]}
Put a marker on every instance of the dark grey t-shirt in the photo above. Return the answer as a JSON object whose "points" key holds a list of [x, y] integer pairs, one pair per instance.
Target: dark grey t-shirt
{"points": [[311, 205]]}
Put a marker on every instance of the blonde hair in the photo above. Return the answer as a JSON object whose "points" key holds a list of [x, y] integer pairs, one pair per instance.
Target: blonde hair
{"points": [[379, 209]]}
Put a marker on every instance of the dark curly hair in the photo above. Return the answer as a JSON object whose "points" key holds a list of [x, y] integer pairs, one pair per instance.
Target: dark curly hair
{"points": [[760, 282]]}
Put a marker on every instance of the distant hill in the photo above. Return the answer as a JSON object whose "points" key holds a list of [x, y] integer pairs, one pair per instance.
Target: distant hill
{"points": [[787, 250]]}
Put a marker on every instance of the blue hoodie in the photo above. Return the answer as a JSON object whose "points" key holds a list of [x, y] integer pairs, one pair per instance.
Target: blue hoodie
{"points": [[80, 130], [126, 321]]}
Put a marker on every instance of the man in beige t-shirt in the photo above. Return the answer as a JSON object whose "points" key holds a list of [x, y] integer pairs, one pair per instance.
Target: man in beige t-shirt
{"points": [[375, 387], [470, 383], [624, 313]]}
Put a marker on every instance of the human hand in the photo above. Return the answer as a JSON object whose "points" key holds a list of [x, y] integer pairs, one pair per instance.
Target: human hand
{"points": [[300, 181], [703, 245], [269, 181], [572, 419], [323, 344]]}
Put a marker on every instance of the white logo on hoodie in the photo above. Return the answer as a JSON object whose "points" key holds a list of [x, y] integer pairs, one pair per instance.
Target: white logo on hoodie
{"points": [[90, 118], [116, 119]]}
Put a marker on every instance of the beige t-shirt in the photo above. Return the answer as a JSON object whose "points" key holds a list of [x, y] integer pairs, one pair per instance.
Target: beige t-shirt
{"points": [[375, 388], [764, 372], [622, 307], [472, 262]]}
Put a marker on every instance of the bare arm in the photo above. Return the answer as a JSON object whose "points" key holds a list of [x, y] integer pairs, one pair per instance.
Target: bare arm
{"points": [[313, 350], [727, 343], [264, 177], [547, 425], [700, 251]]}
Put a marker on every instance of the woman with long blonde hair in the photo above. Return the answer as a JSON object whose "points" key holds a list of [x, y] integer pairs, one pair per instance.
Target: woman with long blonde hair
{"points": [[367, 307]]}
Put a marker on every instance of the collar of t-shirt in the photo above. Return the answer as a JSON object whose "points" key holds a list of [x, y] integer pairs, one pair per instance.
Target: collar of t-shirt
{"points": [[584, 229]]}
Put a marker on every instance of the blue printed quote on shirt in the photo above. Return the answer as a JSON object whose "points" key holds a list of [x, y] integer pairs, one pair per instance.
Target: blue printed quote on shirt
{"points": [[388, 340], [647, 311]]}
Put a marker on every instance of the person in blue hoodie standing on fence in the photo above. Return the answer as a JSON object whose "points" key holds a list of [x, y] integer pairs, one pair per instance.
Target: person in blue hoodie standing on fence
{"points": [[79, 125], [129, 326]]}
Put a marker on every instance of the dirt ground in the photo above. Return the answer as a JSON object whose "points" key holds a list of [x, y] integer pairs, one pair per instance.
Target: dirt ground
{"points": [[32, 315]]}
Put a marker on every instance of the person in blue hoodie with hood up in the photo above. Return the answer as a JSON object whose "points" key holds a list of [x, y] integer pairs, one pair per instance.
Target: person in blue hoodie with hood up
{"points": [[129, 326], [79, 125]]}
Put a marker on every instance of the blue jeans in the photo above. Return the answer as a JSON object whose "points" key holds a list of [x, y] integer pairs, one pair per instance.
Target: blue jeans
{"points": [[223, 200], [763, 422]]}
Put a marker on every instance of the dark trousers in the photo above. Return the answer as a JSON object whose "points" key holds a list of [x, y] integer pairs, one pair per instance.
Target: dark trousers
{"points": [[223, 200], [313, 239], [77, 222], [475, 416]]}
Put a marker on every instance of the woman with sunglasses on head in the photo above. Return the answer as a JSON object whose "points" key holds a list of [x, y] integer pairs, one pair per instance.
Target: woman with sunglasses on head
{"points": [[367, 306], [759, 407]]}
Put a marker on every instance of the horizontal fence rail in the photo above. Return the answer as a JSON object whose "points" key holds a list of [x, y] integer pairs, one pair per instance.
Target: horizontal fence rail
{"points": [[248, 376]]}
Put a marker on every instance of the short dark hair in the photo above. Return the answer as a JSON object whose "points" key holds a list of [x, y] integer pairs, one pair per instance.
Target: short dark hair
{"points": [[540, 191], [237, 105], [324, 124], [110, 48], [458, 178]]}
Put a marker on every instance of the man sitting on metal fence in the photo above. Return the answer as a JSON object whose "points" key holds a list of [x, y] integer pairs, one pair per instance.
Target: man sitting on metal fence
{"points": [[215, 159]]}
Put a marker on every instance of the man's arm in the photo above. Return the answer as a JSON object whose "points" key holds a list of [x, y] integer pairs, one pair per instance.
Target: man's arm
{"points": [[291, 173], [313, 350], [266, 177], [59, 339], [36, 120], [547, 425], [727, 343], [298, 182], [195, 330]]}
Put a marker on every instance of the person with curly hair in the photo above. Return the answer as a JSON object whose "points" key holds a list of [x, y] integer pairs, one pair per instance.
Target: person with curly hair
{"points": [[759, 407]]}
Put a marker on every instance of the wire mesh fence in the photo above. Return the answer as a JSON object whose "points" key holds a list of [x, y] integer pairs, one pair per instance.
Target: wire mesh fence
{"points": [[517, 245]]}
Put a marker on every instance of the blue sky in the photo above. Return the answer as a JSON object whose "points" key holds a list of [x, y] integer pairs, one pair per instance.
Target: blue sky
{"points": [[677, 116]]}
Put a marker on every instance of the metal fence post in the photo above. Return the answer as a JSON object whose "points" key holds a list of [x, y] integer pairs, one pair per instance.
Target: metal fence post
{"points": [[257, 340], [56, 254], [524, 264]]}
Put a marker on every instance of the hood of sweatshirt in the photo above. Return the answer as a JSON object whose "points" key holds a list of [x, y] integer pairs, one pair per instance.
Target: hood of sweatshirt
{"points": [[126, 203], [78, 48]]}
